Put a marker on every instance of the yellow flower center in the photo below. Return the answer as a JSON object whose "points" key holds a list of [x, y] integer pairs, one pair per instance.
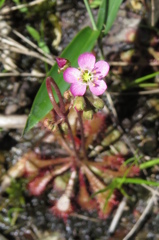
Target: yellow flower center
{"points": [[87, 76]]}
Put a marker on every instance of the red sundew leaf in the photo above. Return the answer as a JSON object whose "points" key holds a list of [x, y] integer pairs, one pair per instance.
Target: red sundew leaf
{"points": [[38, 185], [95, 125], [77, 141], [84, 198], [97, 185], [114, 162], [30, 169], [63, 207]]}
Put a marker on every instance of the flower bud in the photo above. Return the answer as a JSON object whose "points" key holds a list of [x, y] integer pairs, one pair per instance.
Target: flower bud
{"points": [[98, 103], [130, 36], [79, 103], [88, 114], [62, 64], [67, 95], [64, 127]]}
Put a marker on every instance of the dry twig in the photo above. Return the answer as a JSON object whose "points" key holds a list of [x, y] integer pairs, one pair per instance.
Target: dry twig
{"points": [[148, 92], [13, 121], [124, 64], [26, 51], [18, 74], [6, 10], [117, 216], [31, 44], [153, 191]]}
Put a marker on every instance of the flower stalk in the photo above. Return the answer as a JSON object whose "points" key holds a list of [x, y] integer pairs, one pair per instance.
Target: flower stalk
{"points": [[82, 134], [60, 110]]}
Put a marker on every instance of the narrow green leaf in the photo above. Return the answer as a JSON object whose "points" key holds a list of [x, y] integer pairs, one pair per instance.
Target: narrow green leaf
{"points": [[82, 42], [136, 181], [34, 33], [150, 163], [108, 198], [111, 13], [143, 79], [148, 85], [102, 13], [87, 5]]}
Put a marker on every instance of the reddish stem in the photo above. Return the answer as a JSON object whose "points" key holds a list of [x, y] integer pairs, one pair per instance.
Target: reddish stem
{"points": [[72, 138], [60, 111], [82, 134]]}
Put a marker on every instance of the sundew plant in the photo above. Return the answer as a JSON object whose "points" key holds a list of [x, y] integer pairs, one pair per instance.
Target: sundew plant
{"points": [[76, 111]]}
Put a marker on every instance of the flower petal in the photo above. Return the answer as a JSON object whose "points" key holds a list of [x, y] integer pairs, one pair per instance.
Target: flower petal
{"points": [[98, 87], [78, 89], [86, 61], [102, 69], [71, 75]]}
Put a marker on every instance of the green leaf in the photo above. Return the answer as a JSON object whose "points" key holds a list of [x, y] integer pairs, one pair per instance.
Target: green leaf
{"points": [[143, 79], [1, 3], [24, 9], [34, 33], [107, 14], [118, 182], [95, 3], [150, 163], [136, 181], [82, 42], [148, 85], [101, 19], [43, 46], [16, 1]]}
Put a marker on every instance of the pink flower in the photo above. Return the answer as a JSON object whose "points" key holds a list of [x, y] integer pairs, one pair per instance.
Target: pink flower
{"points": [[90, 73]]}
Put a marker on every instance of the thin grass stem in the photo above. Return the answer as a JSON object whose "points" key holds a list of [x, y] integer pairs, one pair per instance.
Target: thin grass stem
{"points": [[90, 15]]}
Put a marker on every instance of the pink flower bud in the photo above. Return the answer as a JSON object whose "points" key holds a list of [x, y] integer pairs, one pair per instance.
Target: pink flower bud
{"points": [[62, 63]]}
